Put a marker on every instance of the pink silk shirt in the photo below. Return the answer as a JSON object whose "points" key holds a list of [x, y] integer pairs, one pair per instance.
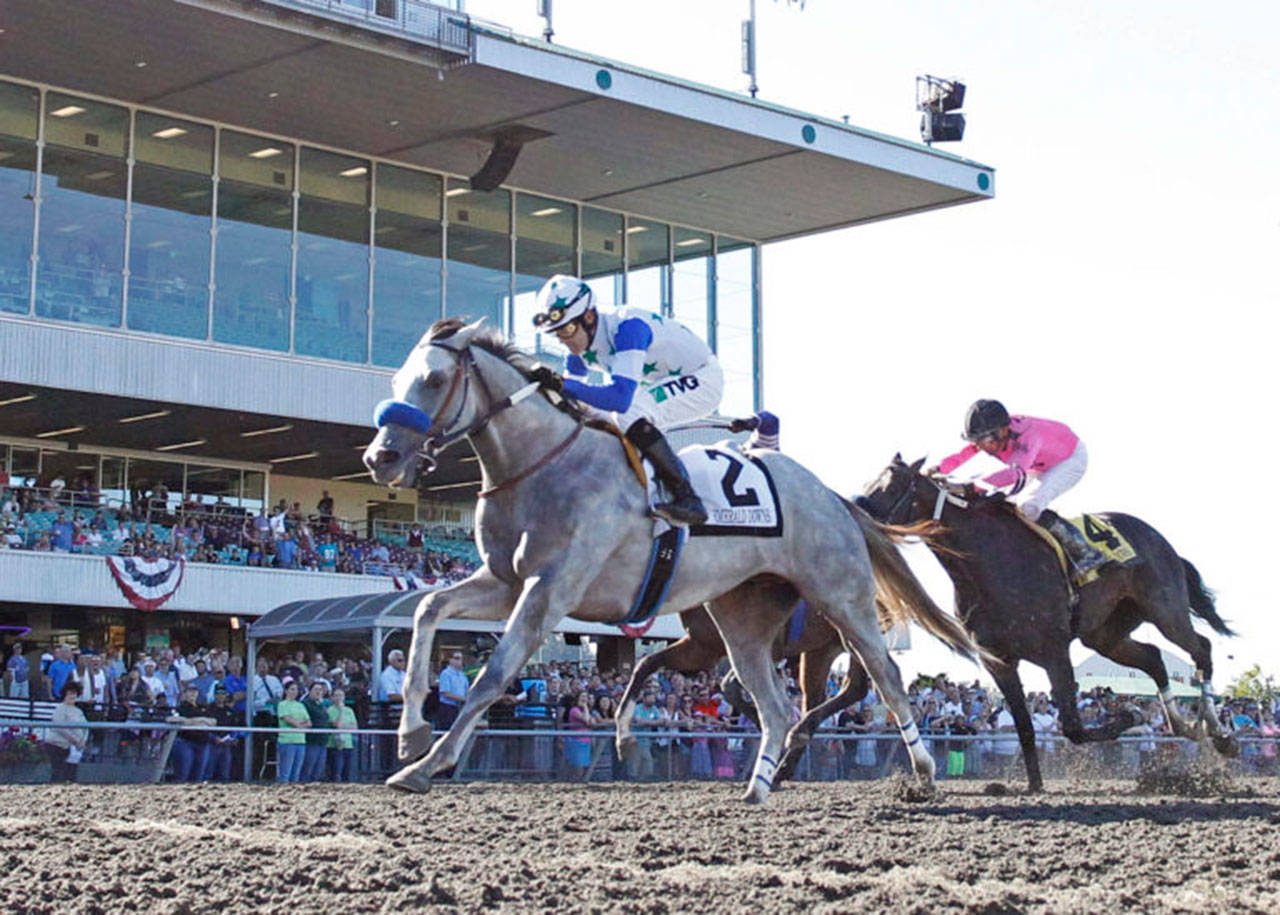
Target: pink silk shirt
{"points": [[1034, 446]]}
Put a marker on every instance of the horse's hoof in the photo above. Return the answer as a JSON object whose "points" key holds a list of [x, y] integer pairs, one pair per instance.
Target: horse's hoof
{"points": [[413, 782], [414, 744], [1227, 745], [755, 798], [625, 745]]}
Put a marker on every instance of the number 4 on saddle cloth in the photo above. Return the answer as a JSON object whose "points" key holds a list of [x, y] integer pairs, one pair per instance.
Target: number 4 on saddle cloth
{"points": [[741, 501], [1102, 535]]}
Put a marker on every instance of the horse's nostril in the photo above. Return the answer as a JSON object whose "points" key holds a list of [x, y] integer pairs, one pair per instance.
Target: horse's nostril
{"points": [[382, 457]]}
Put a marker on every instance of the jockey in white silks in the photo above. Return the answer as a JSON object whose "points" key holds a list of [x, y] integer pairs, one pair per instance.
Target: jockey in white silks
{"points": [[660, 374]]}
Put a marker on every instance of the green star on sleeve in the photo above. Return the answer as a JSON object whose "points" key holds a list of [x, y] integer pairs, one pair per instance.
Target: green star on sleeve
{"points": [[590, 357], [650, 367]]}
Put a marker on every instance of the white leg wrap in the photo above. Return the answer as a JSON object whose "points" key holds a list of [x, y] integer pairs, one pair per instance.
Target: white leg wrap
{"points": [[764, 771]]}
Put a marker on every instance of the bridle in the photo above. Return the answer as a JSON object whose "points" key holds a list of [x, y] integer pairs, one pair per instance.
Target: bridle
{"points": [[944, 496], [437, 434]]}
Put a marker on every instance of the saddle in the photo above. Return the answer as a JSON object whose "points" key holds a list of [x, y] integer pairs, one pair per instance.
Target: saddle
{"points": [[630, 453]]}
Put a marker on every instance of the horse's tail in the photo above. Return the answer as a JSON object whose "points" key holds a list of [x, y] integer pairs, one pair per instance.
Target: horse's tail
{"points": [[900, 593], [1202, 600]]}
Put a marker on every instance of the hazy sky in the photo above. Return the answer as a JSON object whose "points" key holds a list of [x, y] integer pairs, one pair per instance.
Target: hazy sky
{"points": [[1123, 280]]}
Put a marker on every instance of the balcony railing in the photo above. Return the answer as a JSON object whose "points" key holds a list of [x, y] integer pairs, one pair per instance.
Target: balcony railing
{"points": [[436, 25]]}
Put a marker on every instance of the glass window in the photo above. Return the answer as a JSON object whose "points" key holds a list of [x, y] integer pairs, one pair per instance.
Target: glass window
{"points": [[602, 254], [406, 268], [171, 215], [647, 254], [545, 245], [254, 490], [692, 277], [479, 253], [80, 274], [206, 484], [332, 314], [735, 341], [19, 111], [155, 485], [17, 216], [115, 491], [24, 466], [255, 236], [19, 116]]}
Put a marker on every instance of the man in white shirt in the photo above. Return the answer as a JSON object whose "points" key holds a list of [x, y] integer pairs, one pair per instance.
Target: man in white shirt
{"points": [[154, 683], [391, 683], [267, 687]]}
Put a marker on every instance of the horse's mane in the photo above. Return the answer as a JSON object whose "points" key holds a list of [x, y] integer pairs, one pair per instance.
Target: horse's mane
{"points": [[490, 339], [495, 342]]}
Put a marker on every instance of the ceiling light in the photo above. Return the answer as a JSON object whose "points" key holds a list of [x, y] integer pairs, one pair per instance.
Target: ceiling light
{"points": [[177, 445], [450, 486], [140, 64], [547, 211], [159, 243], [632, 230], [265, 153], [74, 227], [691, 241], [191, 195], [67, 111], [285, 428], [98, 176], [457, 191], [293, 457], [273, 95], [354, 172], [23, 399], [169, 133], [141, 416], [393, 123], [53, 433], [351, 476], [6, 154]]}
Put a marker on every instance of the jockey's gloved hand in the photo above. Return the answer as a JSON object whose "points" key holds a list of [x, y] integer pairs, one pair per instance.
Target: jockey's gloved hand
{"points": [[745, 424], [548, 378]]}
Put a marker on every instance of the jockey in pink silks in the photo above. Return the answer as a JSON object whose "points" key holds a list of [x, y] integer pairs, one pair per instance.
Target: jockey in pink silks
{"points": [[1045, 459]]}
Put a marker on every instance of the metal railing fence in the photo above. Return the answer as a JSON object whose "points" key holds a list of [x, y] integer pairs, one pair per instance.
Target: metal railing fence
{"points": [[540, 754]]}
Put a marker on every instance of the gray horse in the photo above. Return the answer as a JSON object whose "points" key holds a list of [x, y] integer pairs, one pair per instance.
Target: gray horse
{"points": [[564, 529]]}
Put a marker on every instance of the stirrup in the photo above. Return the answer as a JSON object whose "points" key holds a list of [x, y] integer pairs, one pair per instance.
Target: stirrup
{"points": [[689, 511]]}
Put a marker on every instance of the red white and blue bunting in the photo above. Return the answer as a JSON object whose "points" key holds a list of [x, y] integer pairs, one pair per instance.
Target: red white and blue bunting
{"points": [[146, 583]]}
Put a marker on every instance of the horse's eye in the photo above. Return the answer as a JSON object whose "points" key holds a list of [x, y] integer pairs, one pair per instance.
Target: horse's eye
{"points": [[434, 381]]}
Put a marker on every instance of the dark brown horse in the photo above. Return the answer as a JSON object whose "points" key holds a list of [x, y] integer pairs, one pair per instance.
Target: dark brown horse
{"points": [[1013, 596]]}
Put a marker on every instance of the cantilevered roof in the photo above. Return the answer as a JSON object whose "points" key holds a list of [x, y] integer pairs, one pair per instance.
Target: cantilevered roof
{"points": [[612, 134], [341, 617]]}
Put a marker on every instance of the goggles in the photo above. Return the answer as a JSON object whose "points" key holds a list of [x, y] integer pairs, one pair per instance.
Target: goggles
{"points": [[556, 313]]}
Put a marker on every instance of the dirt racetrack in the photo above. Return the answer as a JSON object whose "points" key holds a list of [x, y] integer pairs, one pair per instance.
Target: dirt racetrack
{"points": [[1083, 846]]}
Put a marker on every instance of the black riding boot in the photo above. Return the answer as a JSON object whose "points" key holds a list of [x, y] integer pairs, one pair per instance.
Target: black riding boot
{"points": [[1083, 555], [685, 507]]}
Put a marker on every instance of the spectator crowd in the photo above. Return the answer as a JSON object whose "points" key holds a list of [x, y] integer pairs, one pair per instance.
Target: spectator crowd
{"points": [[685, 726], [61, 519]]}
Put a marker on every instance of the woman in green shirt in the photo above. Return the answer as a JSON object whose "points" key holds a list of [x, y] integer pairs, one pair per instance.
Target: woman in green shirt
{"points": [[342, 747], [291, 745]]}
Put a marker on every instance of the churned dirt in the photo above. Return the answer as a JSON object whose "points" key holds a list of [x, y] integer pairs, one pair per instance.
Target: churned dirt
{"points": [[1082, 846]]}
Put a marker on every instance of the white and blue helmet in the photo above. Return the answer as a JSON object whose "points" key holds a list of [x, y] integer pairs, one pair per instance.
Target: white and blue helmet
{"points": [[560, 300]]}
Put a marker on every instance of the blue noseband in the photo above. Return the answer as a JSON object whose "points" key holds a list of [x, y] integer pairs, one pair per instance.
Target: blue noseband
{"points": [[399, 413]]}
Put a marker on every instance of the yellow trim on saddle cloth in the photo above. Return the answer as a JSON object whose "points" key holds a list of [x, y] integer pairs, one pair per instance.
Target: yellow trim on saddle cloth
{"points": [[1102, 534], [1105, 538], [629, 451]]}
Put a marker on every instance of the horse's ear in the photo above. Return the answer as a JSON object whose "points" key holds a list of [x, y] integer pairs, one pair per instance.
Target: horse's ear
{"points": [[916, 465], [897, 459], [468, 330]]}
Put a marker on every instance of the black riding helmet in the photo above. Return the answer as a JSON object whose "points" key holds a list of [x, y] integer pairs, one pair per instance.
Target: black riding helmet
{"points": [[984, 418]]}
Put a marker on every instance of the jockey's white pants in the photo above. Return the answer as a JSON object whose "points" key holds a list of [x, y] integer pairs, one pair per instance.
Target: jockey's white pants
{"points": [[679, 400], [1043, 488]]}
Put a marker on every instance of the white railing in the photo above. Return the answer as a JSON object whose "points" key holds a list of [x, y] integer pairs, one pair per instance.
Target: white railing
{"points": [[441, 25]]}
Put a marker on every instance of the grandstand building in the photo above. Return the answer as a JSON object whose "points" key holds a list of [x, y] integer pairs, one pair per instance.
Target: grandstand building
{"points": [[223, 223]]}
